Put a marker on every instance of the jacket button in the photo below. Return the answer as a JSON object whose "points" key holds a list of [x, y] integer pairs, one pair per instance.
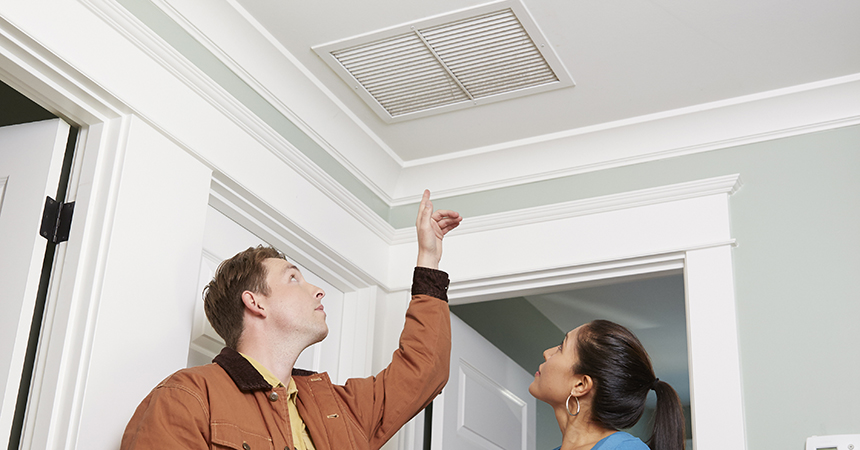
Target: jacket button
{"points": [[246, 446], [273, 397]]}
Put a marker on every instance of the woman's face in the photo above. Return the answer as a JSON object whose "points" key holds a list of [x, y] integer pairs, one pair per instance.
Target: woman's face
{"points": [[554, 379]]}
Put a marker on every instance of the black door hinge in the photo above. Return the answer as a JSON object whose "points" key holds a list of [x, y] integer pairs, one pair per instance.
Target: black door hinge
{"points": [[56, 220]]}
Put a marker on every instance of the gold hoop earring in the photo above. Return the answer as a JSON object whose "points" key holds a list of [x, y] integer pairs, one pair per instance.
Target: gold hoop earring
{"points": [[567, 405]]}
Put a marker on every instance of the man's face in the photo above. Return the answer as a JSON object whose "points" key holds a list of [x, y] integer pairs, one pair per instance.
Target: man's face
{"points": [[294, 305]]}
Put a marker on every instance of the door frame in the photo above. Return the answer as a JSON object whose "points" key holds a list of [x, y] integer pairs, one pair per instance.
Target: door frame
{"points": [[59, 377], [712, 329]]}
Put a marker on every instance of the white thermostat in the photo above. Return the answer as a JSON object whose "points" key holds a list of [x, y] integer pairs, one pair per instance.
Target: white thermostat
{"points": [[834, 442]]}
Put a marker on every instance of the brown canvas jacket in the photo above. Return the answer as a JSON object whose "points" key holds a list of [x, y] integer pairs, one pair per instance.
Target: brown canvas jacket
{"points": [[228, 404]]}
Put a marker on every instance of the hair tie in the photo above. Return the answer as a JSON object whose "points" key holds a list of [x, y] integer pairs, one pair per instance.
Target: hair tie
{"points": [[654, 384]]}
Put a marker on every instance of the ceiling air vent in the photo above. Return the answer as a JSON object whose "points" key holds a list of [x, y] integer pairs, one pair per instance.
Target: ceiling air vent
{"points": [[475, 56]]}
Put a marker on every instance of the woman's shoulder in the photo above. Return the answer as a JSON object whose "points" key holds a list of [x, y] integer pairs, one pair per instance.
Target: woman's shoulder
{"points": [[620, 441]]}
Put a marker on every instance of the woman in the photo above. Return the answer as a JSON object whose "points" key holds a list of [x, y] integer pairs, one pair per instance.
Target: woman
{"points": [[597, 381]]}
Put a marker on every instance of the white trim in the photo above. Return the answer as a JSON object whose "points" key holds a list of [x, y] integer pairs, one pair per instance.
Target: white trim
{"points": [[743, 100], [357, 329], [272, 226], [315, 81], [803, 109], [218, 95], [728, 184], [242, 114], [172, 61], [60, 375], [536, 282], [48, 80], [715, 377], [716, 391]]}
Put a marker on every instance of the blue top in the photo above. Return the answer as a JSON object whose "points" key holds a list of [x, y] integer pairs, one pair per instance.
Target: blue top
{"points": [[619, 441]]}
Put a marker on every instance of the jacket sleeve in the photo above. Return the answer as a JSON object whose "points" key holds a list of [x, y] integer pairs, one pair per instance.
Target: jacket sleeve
{"points": [[169, 417], [419, 367]]}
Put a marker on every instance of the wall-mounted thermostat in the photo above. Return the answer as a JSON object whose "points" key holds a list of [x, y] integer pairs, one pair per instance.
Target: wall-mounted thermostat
{"points": [[834, 442]]}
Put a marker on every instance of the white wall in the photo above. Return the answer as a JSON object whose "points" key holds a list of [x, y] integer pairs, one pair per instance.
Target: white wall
{"points": [[146, 304]]}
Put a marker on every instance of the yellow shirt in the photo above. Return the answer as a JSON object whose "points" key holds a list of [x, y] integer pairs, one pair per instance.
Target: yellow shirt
{"points": [[301, 438]]}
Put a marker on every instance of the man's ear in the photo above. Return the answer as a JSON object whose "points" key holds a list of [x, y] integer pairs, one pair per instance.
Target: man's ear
{"points": [[583, 385], [253, 304]]}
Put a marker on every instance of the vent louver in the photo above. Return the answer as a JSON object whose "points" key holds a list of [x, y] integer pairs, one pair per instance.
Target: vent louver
{"points": [[441, 66]]}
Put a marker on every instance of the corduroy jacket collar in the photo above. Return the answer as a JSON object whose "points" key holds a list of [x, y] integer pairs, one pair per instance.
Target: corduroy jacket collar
{"points": [[243, 373]]}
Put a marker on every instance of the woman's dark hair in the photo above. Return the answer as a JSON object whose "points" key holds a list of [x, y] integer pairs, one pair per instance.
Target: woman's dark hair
{"points": [[622, 373]]}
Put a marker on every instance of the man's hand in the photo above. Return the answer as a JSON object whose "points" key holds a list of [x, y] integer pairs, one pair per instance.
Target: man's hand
{"points": [[432, 227]]}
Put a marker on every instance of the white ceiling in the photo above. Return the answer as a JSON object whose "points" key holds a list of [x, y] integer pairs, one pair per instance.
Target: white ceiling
{"points": [[629, 58]]}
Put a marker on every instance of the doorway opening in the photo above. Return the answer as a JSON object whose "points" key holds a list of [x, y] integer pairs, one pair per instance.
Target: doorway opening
{"points": [[19, 111], [652, 306]]}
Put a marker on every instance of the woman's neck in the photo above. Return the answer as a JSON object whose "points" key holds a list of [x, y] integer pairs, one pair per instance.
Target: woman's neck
{"points": [[580, 433]]}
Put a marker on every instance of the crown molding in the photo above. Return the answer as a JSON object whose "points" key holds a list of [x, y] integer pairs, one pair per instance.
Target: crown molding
{"points": [[221, 95], [728, 184], [781, 113], [274, 227], [175, 63]]}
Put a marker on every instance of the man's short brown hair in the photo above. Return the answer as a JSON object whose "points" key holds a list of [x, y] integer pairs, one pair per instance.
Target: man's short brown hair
{"points": [[222, 297]]}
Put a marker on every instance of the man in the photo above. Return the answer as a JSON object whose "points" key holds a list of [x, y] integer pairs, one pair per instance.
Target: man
{"points": [[251, 397]]}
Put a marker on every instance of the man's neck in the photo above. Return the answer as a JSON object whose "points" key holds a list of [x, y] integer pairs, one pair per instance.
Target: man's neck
{"points": [[280, 364]]}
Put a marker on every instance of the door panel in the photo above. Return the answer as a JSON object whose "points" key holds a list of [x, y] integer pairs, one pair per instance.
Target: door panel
{"points": [[224, 238], [486, 404], [31, 157]]}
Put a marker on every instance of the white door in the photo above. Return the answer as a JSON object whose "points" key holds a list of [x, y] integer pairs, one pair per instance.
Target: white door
{"points": [[486, 403], [224, 238], [31, 157]]}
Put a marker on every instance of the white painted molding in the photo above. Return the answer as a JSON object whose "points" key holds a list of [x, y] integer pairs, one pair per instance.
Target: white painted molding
{"points": [[273, 227], [716, 390], [536, 282], [747, 99], [170, 59], [204, 339], [359, 313], [765, 116], [60, 375], [50, 81], [267, 95], [728, 184], [718, 420]]}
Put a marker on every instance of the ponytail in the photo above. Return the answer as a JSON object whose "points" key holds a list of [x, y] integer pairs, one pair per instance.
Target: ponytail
{"points": [[622, 372], [669, 428]]}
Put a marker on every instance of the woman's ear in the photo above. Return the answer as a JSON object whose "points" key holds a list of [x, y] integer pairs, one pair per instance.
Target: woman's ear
{"points": [[582, 385], [253, 304]]}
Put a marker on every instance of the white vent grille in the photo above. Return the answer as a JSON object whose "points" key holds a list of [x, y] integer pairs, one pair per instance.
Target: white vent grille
{"points": [[440, 66], [401, 74]]}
